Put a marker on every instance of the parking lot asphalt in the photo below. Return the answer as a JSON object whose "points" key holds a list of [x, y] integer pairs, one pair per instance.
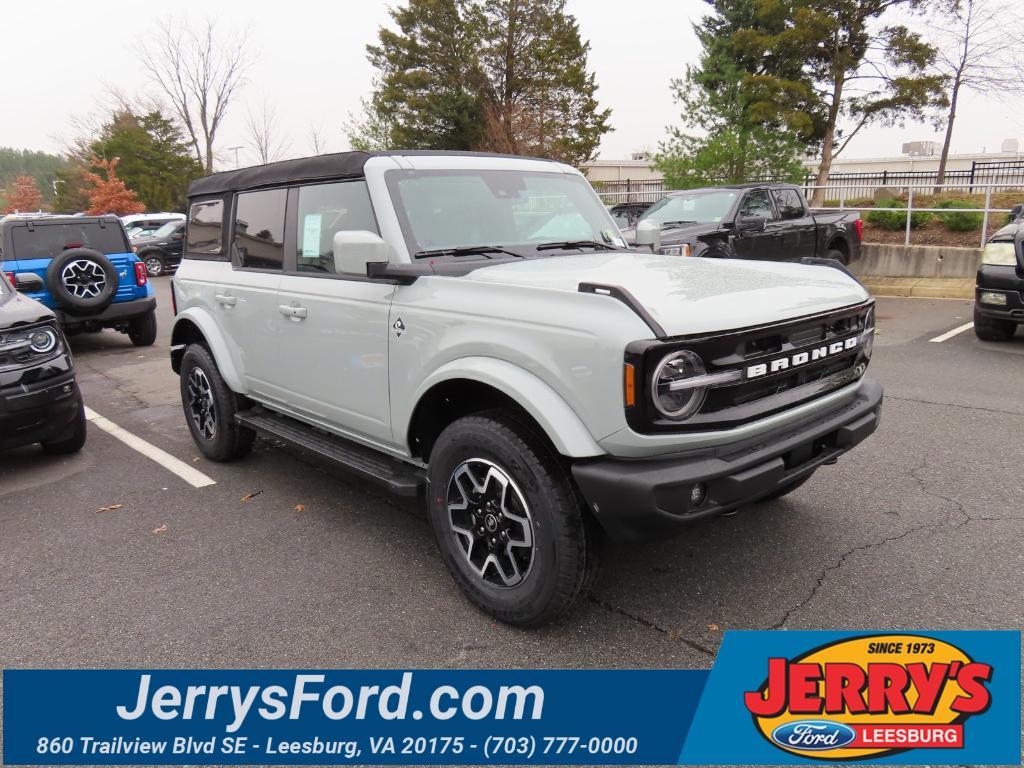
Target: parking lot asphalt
{"points": [[920, 527]]}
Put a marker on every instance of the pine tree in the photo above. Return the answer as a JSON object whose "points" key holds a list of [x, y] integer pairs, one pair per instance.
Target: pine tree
{"points": [[107, 193], [22, 195], [494, 75]]}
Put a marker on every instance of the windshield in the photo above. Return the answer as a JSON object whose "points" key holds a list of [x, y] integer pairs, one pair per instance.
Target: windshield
{"points": [[692, 208], [518, 210], [167, 229]]}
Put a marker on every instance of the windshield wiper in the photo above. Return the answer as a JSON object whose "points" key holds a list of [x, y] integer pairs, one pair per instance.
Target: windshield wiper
{"points": [[467, 250], [676, 223], [579, 244]]}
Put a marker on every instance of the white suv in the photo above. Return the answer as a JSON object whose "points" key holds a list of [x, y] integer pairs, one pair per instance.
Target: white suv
{"points": [[472, 328]]}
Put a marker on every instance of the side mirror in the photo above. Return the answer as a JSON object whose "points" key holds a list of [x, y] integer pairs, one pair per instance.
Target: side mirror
{"points": [[648, 232], [177, 236], [354, 251], [752, 224], [1016, 211], [28, 282]]}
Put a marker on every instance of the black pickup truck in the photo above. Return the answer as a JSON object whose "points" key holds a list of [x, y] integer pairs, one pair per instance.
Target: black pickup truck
{"points": [[771, 222]]}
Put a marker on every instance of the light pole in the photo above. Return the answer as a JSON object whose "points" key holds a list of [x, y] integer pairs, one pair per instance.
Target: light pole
{"points": [[236, 153]]}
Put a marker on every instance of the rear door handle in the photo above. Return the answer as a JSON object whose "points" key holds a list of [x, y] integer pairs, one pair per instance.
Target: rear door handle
{"points": [[227, 301], [295, 312]]}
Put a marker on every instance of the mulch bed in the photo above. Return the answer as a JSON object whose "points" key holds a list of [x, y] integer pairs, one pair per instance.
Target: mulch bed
{"points": [[932, 233]]}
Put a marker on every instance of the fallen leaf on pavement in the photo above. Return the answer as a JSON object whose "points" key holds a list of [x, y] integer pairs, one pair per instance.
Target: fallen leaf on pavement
{"points": [[161, 529], [195, 460], [111, 508], [300, 507], [250, 496], [713, 627]]}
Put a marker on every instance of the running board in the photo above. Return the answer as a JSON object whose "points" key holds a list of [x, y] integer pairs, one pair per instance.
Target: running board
{"points": [[396, 476]]}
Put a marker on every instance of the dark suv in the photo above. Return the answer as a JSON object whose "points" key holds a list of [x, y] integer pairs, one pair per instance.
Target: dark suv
{"points": [[999, 293], [39, 397], [83, 269]]}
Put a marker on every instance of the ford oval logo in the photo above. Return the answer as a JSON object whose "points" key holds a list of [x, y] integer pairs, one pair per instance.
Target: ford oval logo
{"points": [[813, 734]]}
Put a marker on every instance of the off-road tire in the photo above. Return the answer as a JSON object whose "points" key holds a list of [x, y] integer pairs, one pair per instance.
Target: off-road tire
{"points": [[566, 549], [82, 305], [227, 441], [72, 443], [142, 329], [992, 329]]}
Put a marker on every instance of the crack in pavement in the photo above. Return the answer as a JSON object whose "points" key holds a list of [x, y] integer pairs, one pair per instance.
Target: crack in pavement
{"points": [[913, 473], [953, 405], [117, 384], [671, 634]]}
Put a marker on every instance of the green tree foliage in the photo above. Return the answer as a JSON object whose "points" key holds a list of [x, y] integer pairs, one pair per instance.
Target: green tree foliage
{"points": [[495, 75], [859, 68], [42, 166], [728, 147], [155, 161]]}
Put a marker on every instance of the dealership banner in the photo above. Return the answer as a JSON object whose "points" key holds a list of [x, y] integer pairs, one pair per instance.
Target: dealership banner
{"points": [[770, 698]]}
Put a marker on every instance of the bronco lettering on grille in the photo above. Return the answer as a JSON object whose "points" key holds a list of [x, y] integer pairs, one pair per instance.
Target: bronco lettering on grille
{"points": [[802, 358]]}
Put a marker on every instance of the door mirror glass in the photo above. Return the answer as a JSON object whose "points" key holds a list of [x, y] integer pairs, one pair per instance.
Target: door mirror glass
{"points": [[355, 250], [28, 282], [752, 224], [648, 232], [1016, 211]]}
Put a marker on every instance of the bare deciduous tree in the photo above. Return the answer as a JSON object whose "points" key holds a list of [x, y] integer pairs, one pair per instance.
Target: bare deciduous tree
{"points": [[264, 134], [199, 70], [317, 142], [978, 46]]}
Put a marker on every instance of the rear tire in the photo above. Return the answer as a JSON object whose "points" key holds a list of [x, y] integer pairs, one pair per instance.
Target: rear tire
{"points": [[210, 407], [508, 521], [991, 329], [155, 264], [74, 442], [836, 254], [142, 330]]}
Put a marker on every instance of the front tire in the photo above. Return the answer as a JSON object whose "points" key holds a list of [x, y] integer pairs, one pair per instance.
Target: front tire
{"points": [[74, 442], [142, 330], [992, 329], [508, 521], [210, 407]]}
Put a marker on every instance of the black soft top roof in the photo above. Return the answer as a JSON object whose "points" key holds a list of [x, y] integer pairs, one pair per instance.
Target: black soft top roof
{"points": [[338, 165]]}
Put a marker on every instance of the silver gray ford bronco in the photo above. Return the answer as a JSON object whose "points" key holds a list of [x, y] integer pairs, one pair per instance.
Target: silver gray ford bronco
{"points": [[472, 328]]}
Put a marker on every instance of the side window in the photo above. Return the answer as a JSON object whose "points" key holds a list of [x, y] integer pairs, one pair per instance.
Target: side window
{"points": [[756, 205], [788, 203], [205, 225], [323, 210], [259, 229]]}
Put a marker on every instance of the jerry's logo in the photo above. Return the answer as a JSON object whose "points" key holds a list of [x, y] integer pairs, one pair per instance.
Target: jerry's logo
{"points": [[870, 696]]}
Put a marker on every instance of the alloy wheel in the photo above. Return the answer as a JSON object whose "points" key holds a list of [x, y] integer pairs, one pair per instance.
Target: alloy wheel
{"points": [[201, 405], [84, 278], [491, 521]]}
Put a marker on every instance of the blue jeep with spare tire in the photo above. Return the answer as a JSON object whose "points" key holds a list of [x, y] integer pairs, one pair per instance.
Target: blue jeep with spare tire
{"points": [[82, 268]]}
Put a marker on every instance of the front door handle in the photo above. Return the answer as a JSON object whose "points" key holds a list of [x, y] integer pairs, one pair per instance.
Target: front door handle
{"points": [[298, 313], [227, 301]]}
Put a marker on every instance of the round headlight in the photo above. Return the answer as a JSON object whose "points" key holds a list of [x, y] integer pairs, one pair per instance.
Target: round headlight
{"points": [[670, 393], [42, 341]]}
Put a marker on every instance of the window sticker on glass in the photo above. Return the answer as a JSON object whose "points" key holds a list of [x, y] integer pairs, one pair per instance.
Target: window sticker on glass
{"points": [[311, 235]]}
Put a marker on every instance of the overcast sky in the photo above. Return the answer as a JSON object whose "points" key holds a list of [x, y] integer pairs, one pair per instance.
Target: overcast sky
{"points": [[59, 57]]}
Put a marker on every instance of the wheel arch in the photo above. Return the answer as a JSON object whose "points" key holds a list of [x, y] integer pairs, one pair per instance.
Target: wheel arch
{"points": [[477, 384], [839, 243], [193, 326]]}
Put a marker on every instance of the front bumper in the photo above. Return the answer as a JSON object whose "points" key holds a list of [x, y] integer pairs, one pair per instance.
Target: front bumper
{"points": [[39, 412], [645, 498], [118, 312], [1006, 280]]}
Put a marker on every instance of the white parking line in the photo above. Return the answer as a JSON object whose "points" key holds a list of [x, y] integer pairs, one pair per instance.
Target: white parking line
{"points": [[190, 475], [950, 334]]}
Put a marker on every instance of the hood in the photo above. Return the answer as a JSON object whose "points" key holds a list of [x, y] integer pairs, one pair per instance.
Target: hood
{"points": [[692, 296], [674, 235], [16, 309], [1009, 232]]}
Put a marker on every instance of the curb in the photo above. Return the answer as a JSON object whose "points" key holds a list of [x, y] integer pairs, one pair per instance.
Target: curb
{"points": [[920, 287]]}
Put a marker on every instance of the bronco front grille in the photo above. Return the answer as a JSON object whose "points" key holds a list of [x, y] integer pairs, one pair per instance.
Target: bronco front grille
{"points": [[770, 383]]}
